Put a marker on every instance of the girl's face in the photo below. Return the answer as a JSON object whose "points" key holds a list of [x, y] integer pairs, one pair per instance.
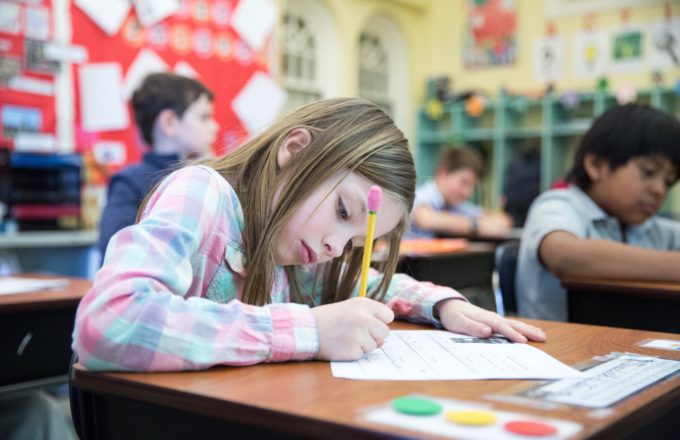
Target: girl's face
{"points": [[456, 186], [632, 192], [196, 129], [333, 217]]}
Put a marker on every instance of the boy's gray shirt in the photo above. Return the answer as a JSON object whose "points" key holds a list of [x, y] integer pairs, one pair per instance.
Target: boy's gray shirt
{"points": [[539, 292]]}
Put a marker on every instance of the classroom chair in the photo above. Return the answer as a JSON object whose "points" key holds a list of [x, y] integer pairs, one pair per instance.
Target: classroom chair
{"points": [[506, 265]]}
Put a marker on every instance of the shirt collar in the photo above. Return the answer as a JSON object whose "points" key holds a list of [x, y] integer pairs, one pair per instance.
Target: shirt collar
{"points": [[161, 161]]}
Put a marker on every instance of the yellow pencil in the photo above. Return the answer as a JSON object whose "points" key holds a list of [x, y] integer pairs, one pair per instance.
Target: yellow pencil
{"points": [[374, 198]]}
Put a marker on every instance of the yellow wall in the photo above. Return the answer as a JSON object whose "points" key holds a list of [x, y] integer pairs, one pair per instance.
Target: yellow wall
{"points": [[433, 30], [447, 21]]}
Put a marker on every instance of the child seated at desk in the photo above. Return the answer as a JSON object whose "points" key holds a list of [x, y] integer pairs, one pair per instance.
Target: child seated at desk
{"points": [[442, 205], [604, 224], [255, 256], [174, 115]]}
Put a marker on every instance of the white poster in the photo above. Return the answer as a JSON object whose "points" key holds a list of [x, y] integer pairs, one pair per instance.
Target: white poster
{"points": [[628, 50], [590, 54], [664, 44], [259, 102], [255, 20], [108, 15], [101, 97], [147, 62], [548, 59]]}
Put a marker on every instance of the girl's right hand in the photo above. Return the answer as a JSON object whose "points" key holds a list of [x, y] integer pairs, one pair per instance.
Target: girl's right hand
{"points": [[351, 328]]}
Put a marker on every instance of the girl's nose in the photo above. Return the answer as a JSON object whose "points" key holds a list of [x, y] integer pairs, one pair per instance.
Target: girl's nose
{"points": [[334, 246]]}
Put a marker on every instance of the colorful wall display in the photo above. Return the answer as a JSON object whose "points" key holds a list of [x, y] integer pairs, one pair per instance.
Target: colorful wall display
{"points": [[491, 33]]}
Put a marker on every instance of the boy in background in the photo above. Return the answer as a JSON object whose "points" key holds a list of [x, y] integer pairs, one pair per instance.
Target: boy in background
{"points": [[604, 223], [174, 115], [442, 205]]}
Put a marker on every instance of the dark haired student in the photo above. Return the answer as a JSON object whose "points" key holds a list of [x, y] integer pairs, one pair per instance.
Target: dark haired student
{"points": [[604, 224], [174, 115]]}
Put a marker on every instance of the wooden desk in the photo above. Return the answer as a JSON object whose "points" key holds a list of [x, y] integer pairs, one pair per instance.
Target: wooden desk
{"points": [[303, 400], [644, 305], [466, 267], [35, 329]]}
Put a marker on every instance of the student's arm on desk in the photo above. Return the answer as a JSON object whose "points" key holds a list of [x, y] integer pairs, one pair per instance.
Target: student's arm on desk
{"points": [[564, 254], [422, 301], [489, 224]]}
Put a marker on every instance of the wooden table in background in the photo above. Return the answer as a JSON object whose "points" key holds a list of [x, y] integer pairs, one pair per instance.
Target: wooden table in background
{"points": [[459, 267], [41, 321], [303, 399], [645, 305]]}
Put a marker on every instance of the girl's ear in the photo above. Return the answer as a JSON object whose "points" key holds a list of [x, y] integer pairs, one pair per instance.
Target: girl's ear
{"points": [[167, 122], [294, 141], [594, 166]]}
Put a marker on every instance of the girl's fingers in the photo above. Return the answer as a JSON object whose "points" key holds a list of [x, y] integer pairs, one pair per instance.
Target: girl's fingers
{"points": [[473, 327], [502, 326], [531, 332]]}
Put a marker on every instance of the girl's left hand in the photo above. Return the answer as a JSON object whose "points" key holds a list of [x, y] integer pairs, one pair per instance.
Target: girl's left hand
{"points": [[462, 317]]}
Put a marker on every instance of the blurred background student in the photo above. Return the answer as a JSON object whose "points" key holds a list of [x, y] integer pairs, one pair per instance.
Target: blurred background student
{"points": [[442, 205], [604, 224], [174, 116]]}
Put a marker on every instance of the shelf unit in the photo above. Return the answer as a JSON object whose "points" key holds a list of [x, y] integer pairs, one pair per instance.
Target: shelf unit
{"points": [[511, 124]]}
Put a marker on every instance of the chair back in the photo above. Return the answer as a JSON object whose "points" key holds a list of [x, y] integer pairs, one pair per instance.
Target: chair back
{"points": [[506, 266]]}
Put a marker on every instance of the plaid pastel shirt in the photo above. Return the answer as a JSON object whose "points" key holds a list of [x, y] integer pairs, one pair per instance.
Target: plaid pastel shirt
{"points": [[167, 297]]}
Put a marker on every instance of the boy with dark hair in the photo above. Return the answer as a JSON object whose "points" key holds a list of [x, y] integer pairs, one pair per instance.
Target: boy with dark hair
{"points": [[174, 115], [604, 223], [442, 207]]}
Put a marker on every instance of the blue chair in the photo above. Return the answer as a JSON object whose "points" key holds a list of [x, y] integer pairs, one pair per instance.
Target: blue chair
{"points": [[506, 266]]}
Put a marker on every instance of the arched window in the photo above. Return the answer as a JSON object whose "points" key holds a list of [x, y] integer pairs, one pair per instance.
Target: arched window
{"points": [[374, 71], [299, 62], [383, 68], [310, 65]]}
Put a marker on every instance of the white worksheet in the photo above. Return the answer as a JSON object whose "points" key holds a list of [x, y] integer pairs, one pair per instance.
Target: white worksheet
{"points": [[609, 382], [442, 355]]}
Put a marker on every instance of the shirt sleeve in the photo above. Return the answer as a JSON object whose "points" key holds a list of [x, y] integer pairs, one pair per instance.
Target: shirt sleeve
{"points": [[411, 299], [139, 315], [552, 213]]}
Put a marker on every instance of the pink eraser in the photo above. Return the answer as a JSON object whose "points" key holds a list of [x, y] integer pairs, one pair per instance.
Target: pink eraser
{"points": [[374, 198]]}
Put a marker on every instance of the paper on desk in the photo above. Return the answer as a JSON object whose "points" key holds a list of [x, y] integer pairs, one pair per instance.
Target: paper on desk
{"points": [[442, 355], [10, 285]]}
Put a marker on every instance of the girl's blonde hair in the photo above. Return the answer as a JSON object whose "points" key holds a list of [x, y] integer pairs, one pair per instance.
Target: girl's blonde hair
{"points": [[348, 134]]}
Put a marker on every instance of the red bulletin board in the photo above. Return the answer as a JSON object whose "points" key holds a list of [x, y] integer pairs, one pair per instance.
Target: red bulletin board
{"points": [[34, 112], [200, 35]]}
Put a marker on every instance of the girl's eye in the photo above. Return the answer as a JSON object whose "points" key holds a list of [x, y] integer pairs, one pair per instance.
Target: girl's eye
{"points": [[342, 210]]}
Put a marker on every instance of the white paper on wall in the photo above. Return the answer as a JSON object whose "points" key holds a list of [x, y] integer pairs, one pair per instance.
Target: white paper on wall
{"points": [[109, 152], [37, 22], [590, 54], [10, 18], [254, 20], [259, 102], [664, 44], [628, 49], [147, 62], [548, 59], [108, 15], [185, 69], [102, 106]]}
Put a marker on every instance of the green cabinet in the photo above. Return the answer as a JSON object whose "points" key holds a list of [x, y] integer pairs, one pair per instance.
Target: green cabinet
{"points": [[509, 125]]}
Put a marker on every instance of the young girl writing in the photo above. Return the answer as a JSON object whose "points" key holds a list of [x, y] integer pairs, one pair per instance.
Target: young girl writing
{"points": [[255, 256]]}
